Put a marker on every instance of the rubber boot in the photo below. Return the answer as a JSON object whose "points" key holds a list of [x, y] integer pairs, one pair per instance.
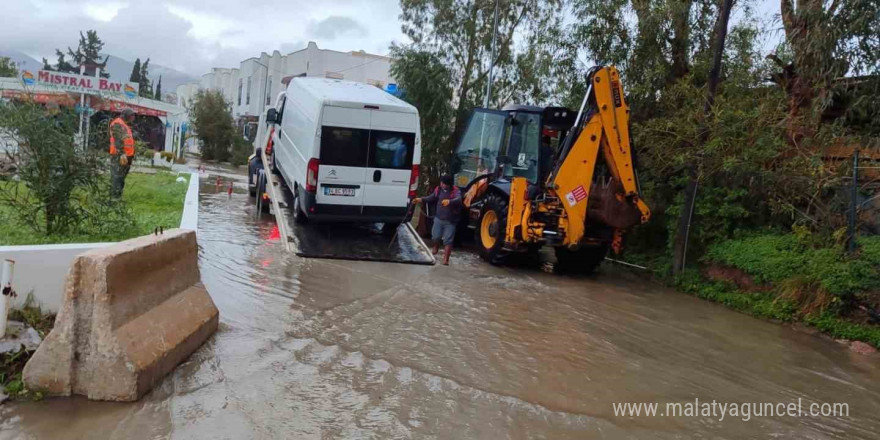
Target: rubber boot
{"points": [[447, 251], [436, 249]]}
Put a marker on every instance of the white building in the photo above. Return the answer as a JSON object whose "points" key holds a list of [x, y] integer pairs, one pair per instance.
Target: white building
{"points": [[189, 90], [251, 88]]}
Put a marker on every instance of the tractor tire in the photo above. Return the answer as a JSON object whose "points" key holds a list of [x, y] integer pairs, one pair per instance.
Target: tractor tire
{"points": [[491, 229], [299, 216], [581, 261]]}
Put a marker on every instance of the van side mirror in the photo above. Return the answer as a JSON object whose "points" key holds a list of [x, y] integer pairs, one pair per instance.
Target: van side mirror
{"points": [[272, 116]]}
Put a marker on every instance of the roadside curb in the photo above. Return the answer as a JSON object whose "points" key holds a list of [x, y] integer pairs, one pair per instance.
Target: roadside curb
{"points": [[190, 218]]}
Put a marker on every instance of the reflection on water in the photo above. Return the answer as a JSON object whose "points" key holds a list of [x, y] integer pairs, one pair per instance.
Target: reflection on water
{"points": [[314, 348]]}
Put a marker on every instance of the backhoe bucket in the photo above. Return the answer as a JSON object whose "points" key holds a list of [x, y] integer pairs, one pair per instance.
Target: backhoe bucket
{"points": [[607, 207]]}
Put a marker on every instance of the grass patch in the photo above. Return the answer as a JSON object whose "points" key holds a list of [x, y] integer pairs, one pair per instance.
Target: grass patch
{"points": [[774, 259], [153, 199]]}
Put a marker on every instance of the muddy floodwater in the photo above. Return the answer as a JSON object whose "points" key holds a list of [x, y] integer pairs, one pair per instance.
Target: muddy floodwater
{"points": [[320, 349]]}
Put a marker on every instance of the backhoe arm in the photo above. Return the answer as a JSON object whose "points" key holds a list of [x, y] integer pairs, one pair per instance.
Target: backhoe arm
{"points": [[605, 128]]}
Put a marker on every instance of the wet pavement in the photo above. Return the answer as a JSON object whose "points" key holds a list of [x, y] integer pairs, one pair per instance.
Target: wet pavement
{"points": [[314, 348], [358, 242]]}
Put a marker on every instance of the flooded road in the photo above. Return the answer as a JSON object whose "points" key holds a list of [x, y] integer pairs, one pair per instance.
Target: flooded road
{"points": [[319, 349]]}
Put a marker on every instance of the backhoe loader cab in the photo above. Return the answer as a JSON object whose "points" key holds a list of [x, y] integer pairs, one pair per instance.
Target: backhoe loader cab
{"points": [[517, 141], [534, 176]]}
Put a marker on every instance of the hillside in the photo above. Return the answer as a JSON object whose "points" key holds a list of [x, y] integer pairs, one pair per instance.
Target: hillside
{"points": [[21, 60], [119, 68]]}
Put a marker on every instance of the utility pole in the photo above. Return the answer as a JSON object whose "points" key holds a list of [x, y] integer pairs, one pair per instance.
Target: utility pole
{"points": [[82, 103], [489, 80], [492, 58], [690, 194]]}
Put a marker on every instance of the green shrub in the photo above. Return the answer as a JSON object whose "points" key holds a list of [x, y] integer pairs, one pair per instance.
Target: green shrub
{"points": [[241, 150], [774, 258], [61, 186], [143, 151], [211, 118], [768, 258], [869, 249]]}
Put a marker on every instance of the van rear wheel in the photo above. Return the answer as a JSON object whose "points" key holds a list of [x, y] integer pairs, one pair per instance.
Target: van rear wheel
{"points": [[299, 215]]}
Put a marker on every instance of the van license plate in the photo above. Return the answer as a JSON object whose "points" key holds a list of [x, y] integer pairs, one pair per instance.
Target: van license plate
{"points": [[338, 191]]}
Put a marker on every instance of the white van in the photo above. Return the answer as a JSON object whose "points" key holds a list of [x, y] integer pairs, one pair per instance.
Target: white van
{"points": [[348, 151]]}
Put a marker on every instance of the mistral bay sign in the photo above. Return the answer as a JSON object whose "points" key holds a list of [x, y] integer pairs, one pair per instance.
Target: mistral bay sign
{"points": [[79, 84]]}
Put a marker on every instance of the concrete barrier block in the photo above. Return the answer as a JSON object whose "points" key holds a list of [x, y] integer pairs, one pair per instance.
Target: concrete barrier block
{"points": [[131, 313]]}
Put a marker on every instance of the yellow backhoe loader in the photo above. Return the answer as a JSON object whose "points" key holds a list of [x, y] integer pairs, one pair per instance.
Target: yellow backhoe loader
{"points": [[536, 176]]}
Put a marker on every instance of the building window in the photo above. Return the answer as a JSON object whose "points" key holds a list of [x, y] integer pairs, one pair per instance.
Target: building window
{"points": [[248, 101], [269, 91], [376, 82], [240, 82], [333, 75]]}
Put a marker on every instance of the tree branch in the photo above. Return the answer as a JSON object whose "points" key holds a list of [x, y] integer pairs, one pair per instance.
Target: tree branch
{"points": [[506, 43], [773, 57], [787, 10]]}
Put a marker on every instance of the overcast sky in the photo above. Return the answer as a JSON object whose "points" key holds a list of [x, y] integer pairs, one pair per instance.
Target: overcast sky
{"points": [[194, 35]]}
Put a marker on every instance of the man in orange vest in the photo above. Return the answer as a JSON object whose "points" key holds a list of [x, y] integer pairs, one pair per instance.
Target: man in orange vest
{"points": [[121, 151]]}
